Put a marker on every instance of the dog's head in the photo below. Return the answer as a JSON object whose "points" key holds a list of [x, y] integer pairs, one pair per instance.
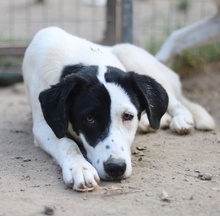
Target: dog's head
{"points": [[103, 106]]}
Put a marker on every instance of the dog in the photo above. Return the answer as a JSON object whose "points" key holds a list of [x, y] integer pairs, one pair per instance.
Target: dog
{"points": [[203, 31], [96, 96]]}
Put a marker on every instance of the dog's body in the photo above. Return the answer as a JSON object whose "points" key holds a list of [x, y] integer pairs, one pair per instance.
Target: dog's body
{"points": [[85, 95], [201, 32]]}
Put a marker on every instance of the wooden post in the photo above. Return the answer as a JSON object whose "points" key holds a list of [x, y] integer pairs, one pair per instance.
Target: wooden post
{"points": [[119, 25], [110, 31]]}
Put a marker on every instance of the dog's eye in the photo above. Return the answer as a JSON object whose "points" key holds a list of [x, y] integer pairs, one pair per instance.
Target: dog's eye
{"points": [[127, 117], [90, 119]]}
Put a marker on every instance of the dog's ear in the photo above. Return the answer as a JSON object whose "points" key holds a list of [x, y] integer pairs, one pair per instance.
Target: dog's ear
{"points": [[152, 97], [54, 103]]}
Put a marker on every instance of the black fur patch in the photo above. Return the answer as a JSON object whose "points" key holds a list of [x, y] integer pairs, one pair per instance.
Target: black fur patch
{"points": [[93, 100], [79, 94], [145, 93], [123, 79], [88, 72]]}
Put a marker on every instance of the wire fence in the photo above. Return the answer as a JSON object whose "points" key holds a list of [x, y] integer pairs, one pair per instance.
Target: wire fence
{"points": [[153, 20]]}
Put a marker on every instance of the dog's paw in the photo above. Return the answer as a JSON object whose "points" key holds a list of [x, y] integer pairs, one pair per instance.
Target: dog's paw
{"points": [[205, 123], [181, 124], [80, 174], [165, 121], [144, 125]]}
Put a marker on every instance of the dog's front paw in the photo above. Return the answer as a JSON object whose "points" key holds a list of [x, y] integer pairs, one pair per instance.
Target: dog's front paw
{"points": [[80, 174], [165, 121], [181, 124], [144, 125]]}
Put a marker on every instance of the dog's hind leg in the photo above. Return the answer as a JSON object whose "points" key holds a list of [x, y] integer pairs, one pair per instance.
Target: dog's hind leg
{"points": [[203, 120], [136, 59]]}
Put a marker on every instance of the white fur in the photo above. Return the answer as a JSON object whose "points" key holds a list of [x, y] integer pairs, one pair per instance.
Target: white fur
{"points": [[121, 134], [185, 114], [50, 50], [200, 32]]}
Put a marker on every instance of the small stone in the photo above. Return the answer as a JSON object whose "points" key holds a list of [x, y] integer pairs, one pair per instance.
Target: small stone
{"points": [[191, 197], [164, 197], [141, 154], [187, 169], [205, 176], [141, 148], [140, 159], [26, 160], [197, 171], [49, 210]]}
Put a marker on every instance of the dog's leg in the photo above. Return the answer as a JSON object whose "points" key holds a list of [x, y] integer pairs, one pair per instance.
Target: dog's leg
{"points": [[182, 120], [144, 124], [77, 172], [136, 59], [203, 120], [178, 118], [165, 121], [200, 32]]}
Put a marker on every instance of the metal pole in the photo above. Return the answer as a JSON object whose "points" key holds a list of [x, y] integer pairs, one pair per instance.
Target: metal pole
{"points": [[127, 11]]}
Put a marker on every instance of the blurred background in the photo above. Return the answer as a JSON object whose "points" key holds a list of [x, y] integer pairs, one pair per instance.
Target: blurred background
{"points": [[146, 23]]}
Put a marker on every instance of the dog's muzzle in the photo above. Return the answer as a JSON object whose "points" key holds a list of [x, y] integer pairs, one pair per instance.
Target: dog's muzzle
{"points": [[115, 168]]}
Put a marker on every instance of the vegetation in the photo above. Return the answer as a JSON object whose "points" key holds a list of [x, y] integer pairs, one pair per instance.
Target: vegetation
{"points": [[193, 60]]}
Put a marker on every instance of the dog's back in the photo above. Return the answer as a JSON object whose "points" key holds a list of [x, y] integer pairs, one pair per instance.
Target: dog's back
{"points": [[51, 50]]}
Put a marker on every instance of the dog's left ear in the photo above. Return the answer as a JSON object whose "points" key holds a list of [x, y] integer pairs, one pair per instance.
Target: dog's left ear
{"points": [[152, 97]]}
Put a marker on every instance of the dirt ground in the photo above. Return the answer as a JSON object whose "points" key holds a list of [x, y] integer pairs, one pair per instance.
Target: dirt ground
{"points": [[165, 169]]}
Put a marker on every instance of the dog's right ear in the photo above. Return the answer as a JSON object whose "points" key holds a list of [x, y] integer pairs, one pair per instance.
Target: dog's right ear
{"points": [[54, 102]]}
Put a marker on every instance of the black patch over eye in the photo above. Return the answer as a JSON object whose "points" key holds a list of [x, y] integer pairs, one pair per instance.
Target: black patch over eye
{"points": [[90, 119], [127, 116]]}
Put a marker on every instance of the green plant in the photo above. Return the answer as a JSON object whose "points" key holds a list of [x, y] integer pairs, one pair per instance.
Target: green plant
{"points": [[193, 60], [10, 61]]}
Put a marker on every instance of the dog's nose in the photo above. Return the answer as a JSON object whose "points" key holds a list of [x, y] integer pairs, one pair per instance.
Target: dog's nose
{"points": [[115, 167]]}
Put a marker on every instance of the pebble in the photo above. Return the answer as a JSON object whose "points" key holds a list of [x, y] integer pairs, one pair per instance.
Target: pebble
{"points": [[197, 171], [205, 176], [187, 168], [49, 210], [164, 197], [191, 197]]}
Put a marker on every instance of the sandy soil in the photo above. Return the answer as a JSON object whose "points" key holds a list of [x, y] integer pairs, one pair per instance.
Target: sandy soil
{"points": [[165, 175]]}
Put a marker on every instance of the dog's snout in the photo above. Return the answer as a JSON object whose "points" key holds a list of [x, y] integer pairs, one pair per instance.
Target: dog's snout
{"points": [[115, 167]]}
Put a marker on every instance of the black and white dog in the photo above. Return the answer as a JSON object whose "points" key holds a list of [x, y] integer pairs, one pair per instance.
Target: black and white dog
{"points": [[79, 91]]}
